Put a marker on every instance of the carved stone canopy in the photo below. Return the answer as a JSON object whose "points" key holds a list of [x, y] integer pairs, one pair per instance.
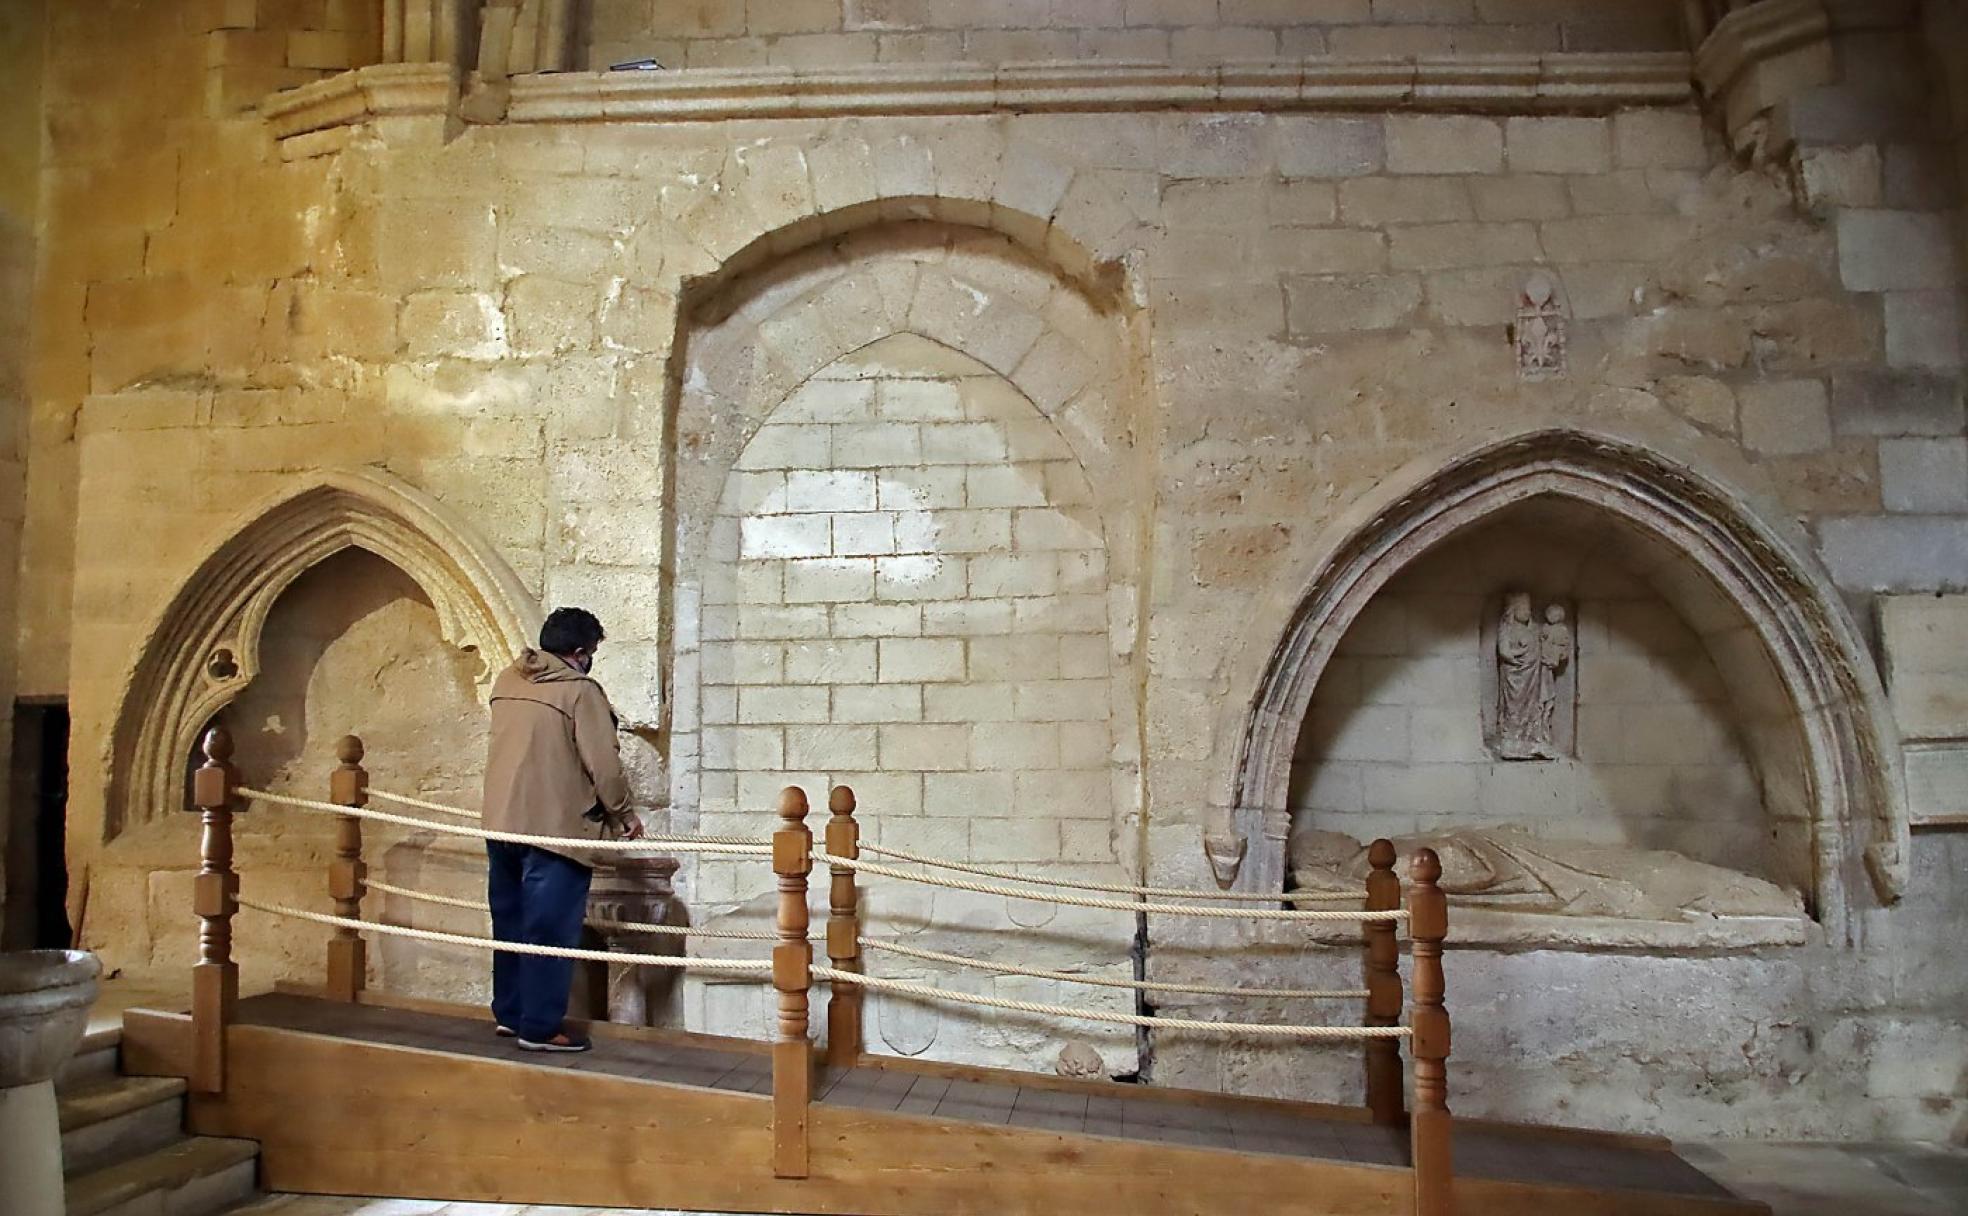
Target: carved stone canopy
{"points": [[1837, 738], [203, 649]]}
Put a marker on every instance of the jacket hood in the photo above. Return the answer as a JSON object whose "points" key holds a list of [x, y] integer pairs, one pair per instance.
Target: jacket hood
{"points": [[539, 667]]}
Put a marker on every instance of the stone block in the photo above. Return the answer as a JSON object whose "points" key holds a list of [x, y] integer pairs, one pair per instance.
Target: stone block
{"points": [[1062, 794], [464, 325], [925, 748], [1432, 144], [797, 446], [549, 316], [1015, 746], [864, 534], [975, 703], [1924, 329], [1659, 139], [1316, 306], [1064, 700], [1882, 250], [966, 795], [920, 660], [1937, 779], [1926, 664], [830, 662], [1842, 177], [877, 703], [780, 536], [1322, 147], [1881, 402], [830, 580], [1558, 145], [1903, 553], [1452, 246], [1322, 251], [1520, 197], [1785, 417], [767, 704], [925, 576], [1377, 201], [830, 748], [1924, 476], [828, 490], [876, 620], [1008, 840]]}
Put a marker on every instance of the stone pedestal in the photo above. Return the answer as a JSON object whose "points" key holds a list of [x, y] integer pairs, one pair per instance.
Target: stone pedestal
{"points": [[44, 1007], [631, 889]]}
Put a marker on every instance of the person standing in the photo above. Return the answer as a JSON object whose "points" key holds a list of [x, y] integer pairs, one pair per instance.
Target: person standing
{"points": [[553, 768]]}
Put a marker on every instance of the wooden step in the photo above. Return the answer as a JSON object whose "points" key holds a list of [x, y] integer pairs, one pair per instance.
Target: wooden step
{"points": [[115, 1119], [192, 1177]]}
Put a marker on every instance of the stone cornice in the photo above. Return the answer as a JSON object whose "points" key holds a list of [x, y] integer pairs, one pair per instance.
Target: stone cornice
{"points": [[1508, 83], [1494, 83], [384, 90]]}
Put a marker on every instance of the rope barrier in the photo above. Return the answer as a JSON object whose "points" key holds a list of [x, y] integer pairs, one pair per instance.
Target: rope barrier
{"points": [[929, 992], [642, 845], [599, 922], [741, 965], [942, 863], [406, 800], [1071, 901], [937, 956], [423, 804]]}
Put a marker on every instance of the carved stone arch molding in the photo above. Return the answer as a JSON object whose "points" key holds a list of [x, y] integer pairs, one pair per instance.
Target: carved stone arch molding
{"points": [[1852, 788], [203, 650]]}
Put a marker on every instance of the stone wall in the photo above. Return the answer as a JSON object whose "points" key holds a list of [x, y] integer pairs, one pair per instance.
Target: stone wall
{"points": [[814, 33], [1250, 328], [21, 49]]}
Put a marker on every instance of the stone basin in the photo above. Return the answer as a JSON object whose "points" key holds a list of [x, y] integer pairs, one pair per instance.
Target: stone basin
{"points": [[44, 1008]]}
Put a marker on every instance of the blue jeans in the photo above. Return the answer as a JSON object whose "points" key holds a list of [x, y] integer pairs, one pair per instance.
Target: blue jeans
{"points": [[540, 899]]}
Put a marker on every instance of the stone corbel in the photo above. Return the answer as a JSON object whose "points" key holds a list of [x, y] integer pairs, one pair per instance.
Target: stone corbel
{"points": [[1763, 54]]}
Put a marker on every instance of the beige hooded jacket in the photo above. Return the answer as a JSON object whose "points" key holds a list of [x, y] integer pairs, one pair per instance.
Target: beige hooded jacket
{"points": [[553, 754]]}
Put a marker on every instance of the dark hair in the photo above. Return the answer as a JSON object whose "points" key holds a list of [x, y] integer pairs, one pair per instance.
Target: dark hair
{"points": [[570, 629]]}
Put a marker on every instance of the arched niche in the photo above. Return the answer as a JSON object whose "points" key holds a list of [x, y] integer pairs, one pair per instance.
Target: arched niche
{"points": [[1781, 637], [751, 342], [203, 649]]}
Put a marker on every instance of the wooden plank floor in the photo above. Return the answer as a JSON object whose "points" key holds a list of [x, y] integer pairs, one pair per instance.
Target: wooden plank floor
{"points": [[1515, 1156]]}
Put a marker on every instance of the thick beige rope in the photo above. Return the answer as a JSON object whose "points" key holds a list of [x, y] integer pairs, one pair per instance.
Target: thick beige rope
{"points": [[441, 808], [1073, 901], [927, 992], [943, 863], [937, 956], [743, 965], [424, 805], [642, 845], [599, 922]]}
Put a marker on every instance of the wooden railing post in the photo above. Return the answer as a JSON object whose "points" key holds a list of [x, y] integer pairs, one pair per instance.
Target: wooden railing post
{"points": [[347, 953], [1428, 925], [843, 931], [792, 975], [1383, 975], [215, 897]]}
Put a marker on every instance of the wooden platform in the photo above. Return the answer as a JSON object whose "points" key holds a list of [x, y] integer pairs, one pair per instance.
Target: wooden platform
{"points": [[427, 1103]]}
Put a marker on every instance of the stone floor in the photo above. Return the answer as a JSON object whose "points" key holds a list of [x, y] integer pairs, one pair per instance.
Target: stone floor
{"points": [[1794, 1179]]}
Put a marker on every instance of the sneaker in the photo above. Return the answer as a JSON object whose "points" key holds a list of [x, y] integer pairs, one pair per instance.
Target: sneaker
{"points": [[505, 1032], [562, 1042]]}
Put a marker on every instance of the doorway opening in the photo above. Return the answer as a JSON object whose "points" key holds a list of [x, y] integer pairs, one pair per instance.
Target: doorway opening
{"points": [[37, 808]]}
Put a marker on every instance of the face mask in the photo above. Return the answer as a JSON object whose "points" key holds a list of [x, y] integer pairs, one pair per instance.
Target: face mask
{"points": [[585, 662]]}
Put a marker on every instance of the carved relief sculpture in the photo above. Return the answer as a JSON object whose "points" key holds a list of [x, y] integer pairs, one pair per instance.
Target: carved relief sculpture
{"points": [[1540, 330], [1528, 714]]}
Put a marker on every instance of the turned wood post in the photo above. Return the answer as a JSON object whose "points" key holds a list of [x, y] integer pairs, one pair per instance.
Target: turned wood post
{"points": [[215, 897], [792, 974], [1383, 974], [843, 931], [1428, 924], [348, 958]]}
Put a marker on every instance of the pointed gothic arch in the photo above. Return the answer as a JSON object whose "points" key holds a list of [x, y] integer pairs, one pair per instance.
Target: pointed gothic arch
{"points": [[1851, 787], [203, 650]]}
